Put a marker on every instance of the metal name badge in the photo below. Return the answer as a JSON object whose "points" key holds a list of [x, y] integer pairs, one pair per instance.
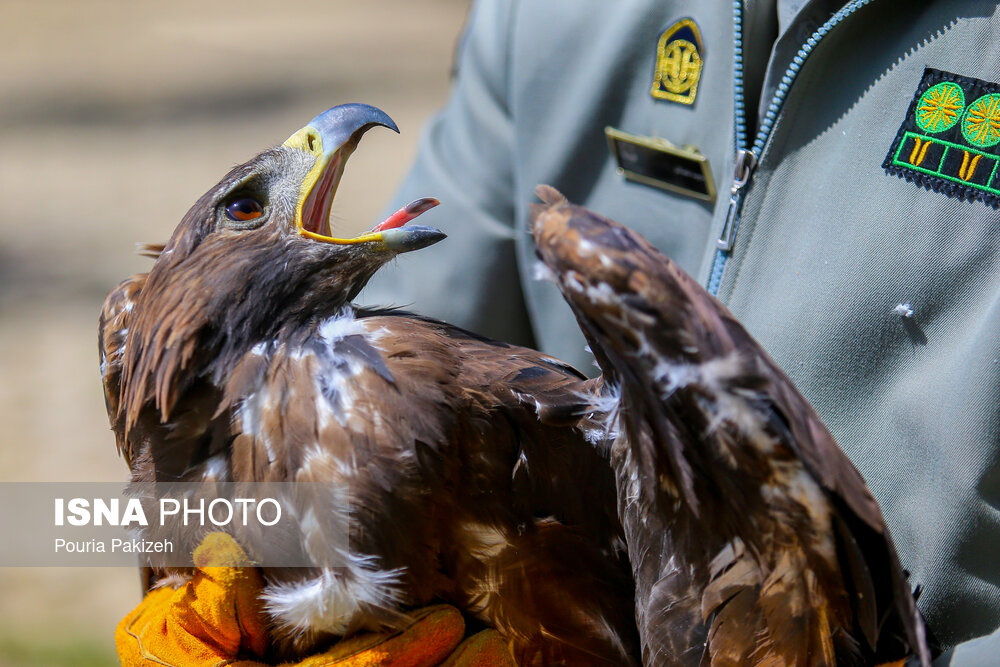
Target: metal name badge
{"points": [[658, 163]]}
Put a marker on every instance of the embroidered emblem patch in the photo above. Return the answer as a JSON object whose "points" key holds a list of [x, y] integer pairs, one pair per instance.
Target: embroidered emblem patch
{"points": [[679, 56], [949, 139]]}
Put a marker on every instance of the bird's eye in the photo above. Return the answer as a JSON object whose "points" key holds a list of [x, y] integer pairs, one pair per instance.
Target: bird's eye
{"points": [[243, 209]]}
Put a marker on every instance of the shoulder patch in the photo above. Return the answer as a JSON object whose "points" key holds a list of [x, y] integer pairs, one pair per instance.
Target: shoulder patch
{"points": [[948, 141], [679, 54]]}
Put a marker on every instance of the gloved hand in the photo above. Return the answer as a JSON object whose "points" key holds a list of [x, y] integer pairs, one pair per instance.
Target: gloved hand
{"points": [[217, 618]]}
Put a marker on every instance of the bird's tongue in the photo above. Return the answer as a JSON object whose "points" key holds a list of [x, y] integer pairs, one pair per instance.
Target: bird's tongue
{"points": [[405, 214]]}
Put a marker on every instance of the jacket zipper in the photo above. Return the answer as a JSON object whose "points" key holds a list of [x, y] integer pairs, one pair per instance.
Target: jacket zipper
{"points": [[747, 157]]}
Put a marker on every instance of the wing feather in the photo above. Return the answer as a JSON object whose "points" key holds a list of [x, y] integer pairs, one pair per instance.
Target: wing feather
{"points": [[115, 323], [717, 432]]}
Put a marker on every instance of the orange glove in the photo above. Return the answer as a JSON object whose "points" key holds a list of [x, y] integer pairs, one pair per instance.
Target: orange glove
{"points": [[217, 618]]}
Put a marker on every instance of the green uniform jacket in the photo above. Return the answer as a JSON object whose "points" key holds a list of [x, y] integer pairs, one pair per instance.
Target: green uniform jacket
{"points": [[828, 243]]}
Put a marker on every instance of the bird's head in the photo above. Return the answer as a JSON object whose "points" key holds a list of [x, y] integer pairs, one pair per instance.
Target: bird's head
{"points": [[265, 225], [255, 255]]}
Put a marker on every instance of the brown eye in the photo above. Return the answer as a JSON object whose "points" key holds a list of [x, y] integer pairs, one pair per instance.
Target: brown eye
{"points": [[243, 209]]}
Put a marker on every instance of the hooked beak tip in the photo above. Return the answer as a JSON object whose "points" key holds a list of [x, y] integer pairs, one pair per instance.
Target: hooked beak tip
{"points": [[407, 239]]}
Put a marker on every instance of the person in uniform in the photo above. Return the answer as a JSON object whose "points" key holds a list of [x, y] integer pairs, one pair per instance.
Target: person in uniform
{"points": [[828, 170]]}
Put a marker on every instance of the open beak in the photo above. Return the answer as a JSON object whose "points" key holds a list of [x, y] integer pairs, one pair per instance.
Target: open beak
{"points": [[331, 138]]}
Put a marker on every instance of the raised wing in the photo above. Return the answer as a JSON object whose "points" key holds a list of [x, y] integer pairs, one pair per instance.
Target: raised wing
{"points": [[753, 538]]}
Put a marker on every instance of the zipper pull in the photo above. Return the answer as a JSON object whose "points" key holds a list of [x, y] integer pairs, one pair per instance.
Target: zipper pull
{"points": [[742, 169]]}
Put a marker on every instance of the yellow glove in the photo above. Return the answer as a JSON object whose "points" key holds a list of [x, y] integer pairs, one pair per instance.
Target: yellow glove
{"points": [[217, 619]]}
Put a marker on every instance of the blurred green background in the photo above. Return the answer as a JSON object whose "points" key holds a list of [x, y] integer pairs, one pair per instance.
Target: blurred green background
{"points": [[114, 118]]}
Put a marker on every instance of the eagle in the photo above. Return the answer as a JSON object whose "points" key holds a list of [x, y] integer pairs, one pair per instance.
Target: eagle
{"points": [[687, 507], [239, 358], [752, 538]]}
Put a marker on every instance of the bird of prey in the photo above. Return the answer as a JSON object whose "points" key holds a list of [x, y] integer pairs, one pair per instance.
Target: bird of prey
{"points": [[752, 538], [686, 508], [239, 357]]}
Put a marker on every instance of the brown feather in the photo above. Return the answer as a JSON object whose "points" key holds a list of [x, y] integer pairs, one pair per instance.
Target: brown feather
{"points": [[151, 250], [729, 460], [115, 322]]}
